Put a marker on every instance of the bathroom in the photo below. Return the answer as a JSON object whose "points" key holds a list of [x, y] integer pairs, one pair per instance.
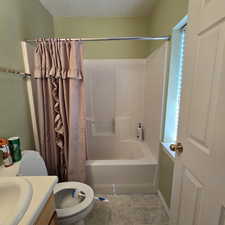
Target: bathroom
{"points": [[148, 93]]}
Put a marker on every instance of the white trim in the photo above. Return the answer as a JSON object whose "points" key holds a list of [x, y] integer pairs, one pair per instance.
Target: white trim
{"points": [[25, 53], [164, 203]]}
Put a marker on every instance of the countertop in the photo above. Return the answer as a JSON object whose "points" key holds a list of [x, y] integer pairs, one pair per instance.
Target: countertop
{"points": [[42, 190], [10, 171]]}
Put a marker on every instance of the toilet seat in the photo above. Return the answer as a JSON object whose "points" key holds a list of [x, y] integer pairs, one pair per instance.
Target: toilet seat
{"points": [[89, 198]]}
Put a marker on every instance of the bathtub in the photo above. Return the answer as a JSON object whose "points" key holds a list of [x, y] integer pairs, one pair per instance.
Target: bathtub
{"points": [[130, 168]]}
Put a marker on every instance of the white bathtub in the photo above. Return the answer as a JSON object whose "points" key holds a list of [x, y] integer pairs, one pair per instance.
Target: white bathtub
{"points": [[129, 168]]}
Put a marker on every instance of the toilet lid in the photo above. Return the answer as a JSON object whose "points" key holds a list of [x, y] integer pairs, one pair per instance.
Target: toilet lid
{"points": [[78, 207]]}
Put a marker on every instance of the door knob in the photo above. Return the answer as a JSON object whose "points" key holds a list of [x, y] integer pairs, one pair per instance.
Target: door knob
{"points": [[178, 148]]}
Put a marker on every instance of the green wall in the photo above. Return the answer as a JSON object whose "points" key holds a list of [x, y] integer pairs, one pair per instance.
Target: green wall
{"points": [[19, 20], [166, 166], [72, 27], [164, 16]]}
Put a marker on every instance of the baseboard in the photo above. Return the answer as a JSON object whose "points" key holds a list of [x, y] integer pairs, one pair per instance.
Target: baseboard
{"points": [[164, 203]]}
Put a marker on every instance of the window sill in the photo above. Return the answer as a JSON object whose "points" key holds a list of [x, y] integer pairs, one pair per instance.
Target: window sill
{"points": [[166, 148]]}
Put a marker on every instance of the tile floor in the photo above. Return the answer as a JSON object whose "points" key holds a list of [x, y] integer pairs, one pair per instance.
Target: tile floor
{"points": [[133, 209]]}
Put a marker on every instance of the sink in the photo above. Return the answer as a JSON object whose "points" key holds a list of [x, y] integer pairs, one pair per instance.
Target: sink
{"points": [[15, 197]]}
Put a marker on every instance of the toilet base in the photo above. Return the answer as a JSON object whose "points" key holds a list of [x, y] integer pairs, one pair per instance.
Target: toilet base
{"points": [[81, 222], [76, 219]]}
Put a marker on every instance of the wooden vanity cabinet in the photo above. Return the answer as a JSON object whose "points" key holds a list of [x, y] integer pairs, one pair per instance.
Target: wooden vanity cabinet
{"points": [[53, 220], [48, 214]]}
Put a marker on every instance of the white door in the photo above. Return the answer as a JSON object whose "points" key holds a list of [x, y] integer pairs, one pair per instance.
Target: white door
{"points": [[198, 196]]}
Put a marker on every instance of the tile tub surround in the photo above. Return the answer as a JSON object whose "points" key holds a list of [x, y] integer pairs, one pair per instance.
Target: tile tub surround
{"points": [[128, 210], [154, 95], [112, 87]]}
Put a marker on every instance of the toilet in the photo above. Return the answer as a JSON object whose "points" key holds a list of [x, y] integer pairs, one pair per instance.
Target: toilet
{"points": [[74, 200]]}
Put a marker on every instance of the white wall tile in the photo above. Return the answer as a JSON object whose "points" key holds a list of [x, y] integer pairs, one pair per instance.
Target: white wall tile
{"points": [[155, 78], [129, 91]]}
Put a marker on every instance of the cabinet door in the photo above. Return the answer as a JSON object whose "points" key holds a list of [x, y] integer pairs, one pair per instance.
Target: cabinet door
{"points": [[48, 213], [53, 220]]}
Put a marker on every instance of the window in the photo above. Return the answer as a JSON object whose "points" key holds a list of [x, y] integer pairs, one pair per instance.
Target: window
{"points": [[175, 82]]}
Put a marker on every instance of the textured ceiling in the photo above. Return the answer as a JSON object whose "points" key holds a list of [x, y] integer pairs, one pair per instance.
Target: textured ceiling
{"points": [[98, 8]]}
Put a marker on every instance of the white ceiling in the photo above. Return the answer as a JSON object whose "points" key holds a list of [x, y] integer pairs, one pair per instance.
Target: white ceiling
{"points": [[98, 8]]}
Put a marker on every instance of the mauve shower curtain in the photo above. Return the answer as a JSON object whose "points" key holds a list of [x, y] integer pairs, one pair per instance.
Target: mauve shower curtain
{"points": [[59, 101]]}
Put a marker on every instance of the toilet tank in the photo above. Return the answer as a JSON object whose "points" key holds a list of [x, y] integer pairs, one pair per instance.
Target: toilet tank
{"points": [[32, 164]]}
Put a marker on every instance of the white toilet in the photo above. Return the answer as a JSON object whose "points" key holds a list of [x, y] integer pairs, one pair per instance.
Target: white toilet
{"points": [[73, 200]]}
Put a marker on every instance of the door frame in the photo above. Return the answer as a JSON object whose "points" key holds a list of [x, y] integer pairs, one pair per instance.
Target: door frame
{"points": [[28, 63]]}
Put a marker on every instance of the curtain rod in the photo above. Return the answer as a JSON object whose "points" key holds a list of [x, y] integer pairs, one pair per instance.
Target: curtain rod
{"points": [[113, 39], [5, 70], [88, 39]]}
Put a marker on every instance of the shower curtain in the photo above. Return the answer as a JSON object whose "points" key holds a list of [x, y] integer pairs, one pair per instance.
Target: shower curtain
{"points": [[59, 102]]}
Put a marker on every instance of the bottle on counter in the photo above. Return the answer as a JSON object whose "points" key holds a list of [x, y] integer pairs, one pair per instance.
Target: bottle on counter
{"points": [[7, 158], [14, 146], [3, 141]]}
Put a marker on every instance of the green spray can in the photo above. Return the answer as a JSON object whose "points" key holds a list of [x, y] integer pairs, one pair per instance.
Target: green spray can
{"points": [[14, 146]]}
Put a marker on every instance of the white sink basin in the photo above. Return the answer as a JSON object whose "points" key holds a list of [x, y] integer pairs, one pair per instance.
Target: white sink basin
{"points": [[15, 197]]}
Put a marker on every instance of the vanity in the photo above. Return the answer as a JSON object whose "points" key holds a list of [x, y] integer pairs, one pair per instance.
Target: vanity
{"points": [[41, 210], [27, 200], [48, 214]]}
